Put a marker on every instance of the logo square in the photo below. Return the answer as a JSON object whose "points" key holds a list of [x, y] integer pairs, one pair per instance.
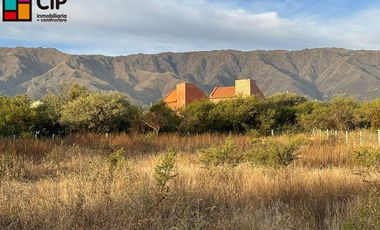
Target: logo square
{"points": [[17, 10], [10, 5], [10, 15]]}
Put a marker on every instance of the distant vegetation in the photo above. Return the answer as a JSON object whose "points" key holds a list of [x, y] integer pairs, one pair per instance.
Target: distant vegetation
{"points": [[76, 109]]}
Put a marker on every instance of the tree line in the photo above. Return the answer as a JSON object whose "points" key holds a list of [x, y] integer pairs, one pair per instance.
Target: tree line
{"points": [[77, 109]]}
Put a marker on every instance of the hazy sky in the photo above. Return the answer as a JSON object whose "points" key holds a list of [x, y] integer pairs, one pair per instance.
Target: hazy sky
{"points": [[121, 27]]}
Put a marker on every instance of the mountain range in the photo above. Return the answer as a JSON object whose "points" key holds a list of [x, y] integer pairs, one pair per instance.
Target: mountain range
{"points": [[145, 78]]}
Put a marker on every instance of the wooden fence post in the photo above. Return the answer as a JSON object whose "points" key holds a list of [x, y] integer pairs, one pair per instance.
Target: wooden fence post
{"points": [[272, 132], [328, 133]]}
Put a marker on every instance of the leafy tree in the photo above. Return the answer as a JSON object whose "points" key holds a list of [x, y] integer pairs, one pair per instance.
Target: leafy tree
{"points": [[287, 99], [315, 116], [15, 116], [343, 113], [53, 104], [340, 113], [195, 117], [279, 112], [100, 113], [237, 115], [42, 122], [370, 114], [161, 118], [67, 93]]}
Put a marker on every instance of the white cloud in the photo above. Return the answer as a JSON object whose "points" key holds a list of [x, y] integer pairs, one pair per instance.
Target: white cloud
{"points": [[150, 26]]}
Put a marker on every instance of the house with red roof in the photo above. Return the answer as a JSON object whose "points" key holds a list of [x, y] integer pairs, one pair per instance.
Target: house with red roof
{"points": [[242, 88], [187, 93], [184, 94]]}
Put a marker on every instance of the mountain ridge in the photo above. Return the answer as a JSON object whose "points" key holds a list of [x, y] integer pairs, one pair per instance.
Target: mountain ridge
{"points": [[319, 73]]}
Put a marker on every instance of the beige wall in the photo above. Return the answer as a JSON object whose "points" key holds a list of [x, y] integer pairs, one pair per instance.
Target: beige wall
{"points": [[247, 88], [243, 87]]}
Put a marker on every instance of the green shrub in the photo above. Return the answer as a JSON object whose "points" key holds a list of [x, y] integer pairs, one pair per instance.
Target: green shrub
{"points": [[273, 153], [99, 113], [365, 156], [160, 118], [226, 154], [118, 158], [366, 214], [164, 171], [253, 133]]}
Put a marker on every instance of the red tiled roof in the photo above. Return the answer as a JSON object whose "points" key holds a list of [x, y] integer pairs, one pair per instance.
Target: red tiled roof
{"points": [[171, 97], [223, 92]]}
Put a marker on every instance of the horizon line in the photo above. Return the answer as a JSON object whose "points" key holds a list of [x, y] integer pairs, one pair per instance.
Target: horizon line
{"points": [[185, 52]]}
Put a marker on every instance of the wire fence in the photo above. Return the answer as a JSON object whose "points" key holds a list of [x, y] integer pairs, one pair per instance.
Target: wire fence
{"points": [[357, 138]]}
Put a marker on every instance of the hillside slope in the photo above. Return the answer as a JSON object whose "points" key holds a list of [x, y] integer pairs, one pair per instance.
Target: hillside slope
{"points": [[317, 73]]}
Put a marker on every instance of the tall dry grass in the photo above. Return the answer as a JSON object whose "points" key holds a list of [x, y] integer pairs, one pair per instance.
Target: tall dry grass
{"points": [[73, 185]]}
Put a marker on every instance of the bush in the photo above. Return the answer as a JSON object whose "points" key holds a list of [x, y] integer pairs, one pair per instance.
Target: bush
{"points": [[272, 153], [253, 133], [195, 117], [366, 214], [15, 116], [238, 115], [118, 159], [366, 157], [164, 171], [100, 113], [226, 154], [160, 118], [338, 114]]}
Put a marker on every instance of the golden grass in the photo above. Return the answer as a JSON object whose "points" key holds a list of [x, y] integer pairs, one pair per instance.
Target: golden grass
{"points": [[73, 186]]}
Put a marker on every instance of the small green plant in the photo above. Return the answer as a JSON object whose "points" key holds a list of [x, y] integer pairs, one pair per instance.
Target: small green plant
{"points": [[273, 153], [164, 171], [253, 133], [118, 159], [226, 154], [367, 213], [366, 157]]}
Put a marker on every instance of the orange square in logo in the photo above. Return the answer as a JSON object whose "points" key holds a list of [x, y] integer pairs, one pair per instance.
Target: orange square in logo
{"points": [[23, 11]]}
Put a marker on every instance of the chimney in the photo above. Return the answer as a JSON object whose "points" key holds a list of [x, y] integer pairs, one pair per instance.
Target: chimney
{"points": [[247, 88]]}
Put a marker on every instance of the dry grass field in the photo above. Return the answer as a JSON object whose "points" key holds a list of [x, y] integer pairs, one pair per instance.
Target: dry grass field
{"points": [[115, 182]]}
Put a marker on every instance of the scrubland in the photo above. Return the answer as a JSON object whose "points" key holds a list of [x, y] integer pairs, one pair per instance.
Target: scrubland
{"points": [[204, 181]]}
